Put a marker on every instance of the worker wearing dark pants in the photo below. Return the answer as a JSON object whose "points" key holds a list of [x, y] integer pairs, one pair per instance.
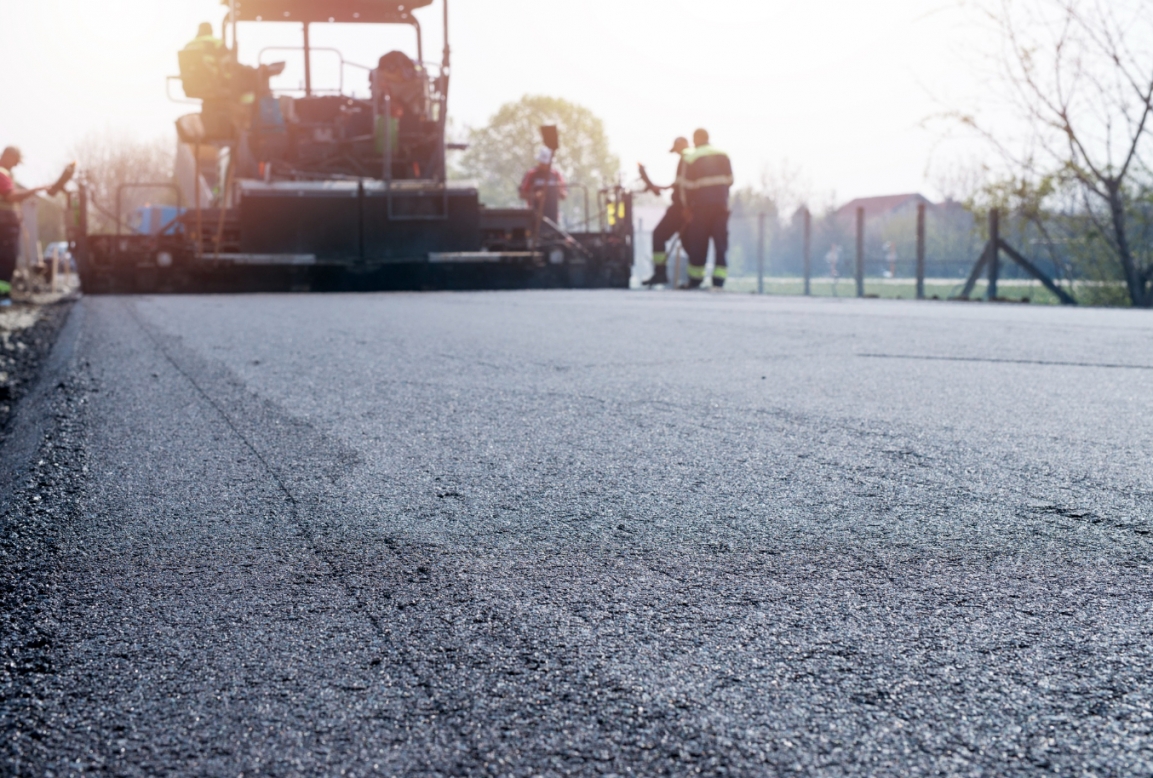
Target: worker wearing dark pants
{"points": [[707, 179], [9, 248], [673, 220], [10, 199], [710, 221]]}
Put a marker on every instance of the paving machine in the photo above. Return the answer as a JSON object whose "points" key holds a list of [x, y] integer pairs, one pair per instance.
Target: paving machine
{"points": [[327, 190]]}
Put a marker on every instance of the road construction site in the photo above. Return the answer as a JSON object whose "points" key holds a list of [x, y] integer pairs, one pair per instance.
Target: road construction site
{"points": [[578, 533]]}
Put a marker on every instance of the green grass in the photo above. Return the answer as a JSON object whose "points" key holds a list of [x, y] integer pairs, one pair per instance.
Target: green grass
{"points": [[895, 289]]}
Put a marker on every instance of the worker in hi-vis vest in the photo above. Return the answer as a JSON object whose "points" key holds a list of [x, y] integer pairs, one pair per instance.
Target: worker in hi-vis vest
{"points": [[11, 196], [708, 175], [227, 89], [207, 70], [673, 220]]}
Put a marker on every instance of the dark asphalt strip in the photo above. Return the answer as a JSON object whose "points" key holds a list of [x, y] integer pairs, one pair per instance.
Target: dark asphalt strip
{"points": [[41, 483], [129, 598], [310, 453], [584, 570], [306, 529], [413, 586]]}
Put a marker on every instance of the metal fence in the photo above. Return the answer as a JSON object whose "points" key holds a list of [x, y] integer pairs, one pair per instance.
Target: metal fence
{"points": [[922, 251]]}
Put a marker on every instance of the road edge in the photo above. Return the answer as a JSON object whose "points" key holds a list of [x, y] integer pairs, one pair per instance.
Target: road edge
{"points": [[32, 416]]}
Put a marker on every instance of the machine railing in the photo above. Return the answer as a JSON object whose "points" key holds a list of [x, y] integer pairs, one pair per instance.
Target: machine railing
{"points": [[168, 91], [387, 173], [142, 185], [116, 248], [339, 55]]}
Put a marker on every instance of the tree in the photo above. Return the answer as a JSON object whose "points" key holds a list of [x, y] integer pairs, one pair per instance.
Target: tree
{"points": [[502, 151], [107, 160], [1084, 96]]}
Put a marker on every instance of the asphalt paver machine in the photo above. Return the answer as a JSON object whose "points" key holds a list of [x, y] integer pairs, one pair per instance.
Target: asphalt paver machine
{"points": [[331, 190]]}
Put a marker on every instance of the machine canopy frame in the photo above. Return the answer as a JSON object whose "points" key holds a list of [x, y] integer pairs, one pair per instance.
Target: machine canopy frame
{"points": [[321, 11]]}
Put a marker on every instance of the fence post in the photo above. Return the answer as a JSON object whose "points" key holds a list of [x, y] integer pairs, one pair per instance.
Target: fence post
{"points": [[860, 252], [994, 253], [808, 251], [761, 253], [921, 251]]}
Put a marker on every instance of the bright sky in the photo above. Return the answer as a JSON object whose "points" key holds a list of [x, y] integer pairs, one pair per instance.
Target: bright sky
{"points": [[839, 88]]}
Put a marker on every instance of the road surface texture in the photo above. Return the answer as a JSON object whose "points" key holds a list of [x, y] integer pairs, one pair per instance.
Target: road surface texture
{"points": [[586, 533]]}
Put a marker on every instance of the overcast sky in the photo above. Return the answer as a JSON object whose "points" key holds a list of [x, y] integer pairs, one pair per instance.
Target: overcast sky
{"points": [[840, 88]]}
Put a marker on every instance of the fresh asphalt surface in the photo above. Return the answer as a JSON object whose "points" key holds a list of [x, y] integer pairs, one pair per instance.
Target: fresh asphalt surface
{"points": [[549, 533]]}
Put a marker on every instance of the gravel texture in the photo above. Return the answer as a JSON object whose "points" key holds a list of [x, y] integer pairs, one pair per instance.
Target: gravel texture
{"points": [[583, 533], [27, 333]]}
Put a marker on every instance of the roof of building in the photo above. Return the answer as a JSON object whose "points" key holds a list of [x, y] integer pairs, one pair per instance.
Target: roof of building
{"points": [[882, 206]]}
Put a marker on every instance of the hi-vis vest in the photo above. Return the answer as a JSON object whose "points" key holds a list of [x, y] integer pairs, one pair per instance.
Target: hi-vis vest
{"points": [[212, 54], [708, 174], [208, 43], [4, 204]]}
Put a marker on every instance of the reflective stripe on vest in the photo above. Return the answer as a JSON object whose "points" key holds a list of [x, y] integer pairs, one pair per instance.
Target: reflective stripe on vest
{"points": [[707, 168], [206, 41], [708, 150], [701, 183]]}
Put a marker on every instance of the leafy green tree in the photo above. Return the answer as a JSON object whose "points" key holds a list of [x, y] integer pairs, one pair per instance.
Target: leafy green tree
{"points": [[502, 151]]}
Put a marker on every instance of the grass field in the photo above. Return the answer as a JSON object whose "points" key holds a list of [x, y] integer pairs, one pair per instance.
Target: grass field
{"points": [[895, 288]]}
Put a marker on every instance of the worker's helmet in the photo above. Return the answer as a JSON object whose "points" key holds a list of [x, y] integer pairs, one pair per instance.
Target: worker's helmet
{"points": [[544, 155], [679, 145]]}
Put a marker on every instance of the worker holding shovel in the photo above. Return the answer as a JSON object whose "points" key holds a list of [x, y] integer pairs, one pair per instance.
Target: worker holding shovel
{"points": [[11, 196]]}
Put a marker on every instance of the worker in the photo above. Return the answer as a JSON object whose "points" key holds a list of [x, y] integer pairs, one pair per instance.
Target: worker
{"points": [[543, 187], [10, 198], [209, 72], [673, 220], [204, 65], [708, 176]]}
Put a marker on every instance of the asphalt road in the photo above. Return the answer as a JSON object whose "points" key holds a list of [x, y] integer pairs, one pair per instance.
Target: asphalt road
{"points": [[551, 533]]}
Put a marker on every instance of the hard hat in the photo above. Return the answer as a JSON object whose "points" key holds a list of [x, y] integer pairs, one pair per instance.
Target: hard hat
{"points": [[544, 156], [679, 145]]}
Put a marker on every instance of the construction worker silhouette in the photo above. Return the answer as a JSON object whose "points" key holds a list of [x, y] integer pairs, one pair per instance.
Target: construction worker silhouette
{"points": [[707, 179], [209, 72], [204, 65], [673, 220], [544, 186], [11, 196]]}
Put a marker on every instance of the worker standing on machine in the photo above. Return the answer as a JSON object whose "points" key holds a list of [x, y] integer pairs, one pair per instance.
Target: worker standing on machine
{"points": [[543, 187], [673, 220], [708, 175], [227, 90], [210, 62], [10, 198]]}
